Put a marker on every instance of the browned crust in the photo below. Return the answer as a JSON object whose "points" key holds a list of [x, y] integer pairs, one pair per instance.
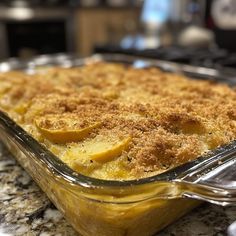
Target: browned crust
{"points": [[170, 118]]}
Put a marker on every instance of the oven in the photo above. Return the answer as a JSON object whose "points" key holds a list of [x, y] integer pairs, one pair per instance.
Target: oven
{"points": [[26, 31]]}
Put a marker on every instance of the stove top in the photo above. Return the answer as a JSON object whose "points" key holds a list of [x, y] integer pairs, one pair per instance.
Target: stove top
{"points": [[211, 58]]}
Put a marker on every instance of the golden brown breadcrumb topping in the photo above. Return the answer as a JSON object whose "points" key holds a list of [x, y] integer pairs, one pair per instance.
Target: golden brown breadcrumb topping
{"points": [[143, 121]]}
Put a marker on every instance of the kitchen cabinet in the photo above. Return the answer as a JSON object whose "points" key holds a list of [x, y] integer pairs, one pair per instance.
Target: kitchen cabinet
{"points": [[102, 25]]}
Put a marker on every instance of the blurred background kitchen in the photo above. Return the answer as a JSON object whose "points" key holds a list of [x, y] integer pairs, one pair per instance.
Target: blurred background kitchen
{"points": [[200, 32]]}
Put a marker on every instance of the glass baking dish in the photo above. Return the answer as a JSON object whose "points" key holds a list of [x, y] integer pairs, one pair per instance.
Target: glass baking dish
{"points": [[136, 207]]}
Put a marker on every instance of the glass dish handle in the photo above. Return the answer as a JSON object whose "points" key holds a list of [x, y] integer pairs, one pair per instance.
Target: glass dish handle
{"points": [[213, 180]]}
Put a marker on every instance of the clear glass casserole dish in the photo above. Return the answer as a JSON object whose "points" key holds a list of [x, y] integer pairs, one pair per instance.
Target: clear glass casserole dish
{"points": [[136, 207]]}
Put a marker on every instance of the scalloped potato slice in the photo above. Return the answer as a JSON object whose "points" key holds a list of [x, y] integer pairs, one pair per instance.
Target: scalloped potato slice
{"points": [[99, 149], [105, 151], [68, 132]]}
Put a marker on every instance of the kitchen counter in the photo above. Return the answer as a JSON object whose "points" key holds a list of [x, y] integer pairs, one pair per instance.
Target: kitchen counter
{"points": [[25, 210]]}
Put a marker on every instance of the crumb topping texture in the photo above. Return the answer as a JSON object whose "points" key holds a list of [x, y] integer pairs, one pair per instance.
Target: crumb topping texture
{"points": [[112, 121]]}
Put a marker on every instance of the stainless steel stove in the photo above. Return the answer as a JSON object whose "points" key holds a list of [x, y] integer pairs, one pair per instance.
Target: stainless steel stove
{"points": [[212, 58]]}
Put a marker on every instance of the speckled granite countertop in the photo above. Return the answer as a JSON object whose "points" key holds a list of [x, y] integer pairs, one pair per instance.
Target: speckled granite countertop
{"points": [[25, 210]]}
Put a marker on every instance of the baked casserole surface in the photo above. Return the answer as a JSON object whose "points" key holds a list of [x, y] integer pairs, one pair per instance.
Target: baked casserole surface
{"points": [[116, 122]]}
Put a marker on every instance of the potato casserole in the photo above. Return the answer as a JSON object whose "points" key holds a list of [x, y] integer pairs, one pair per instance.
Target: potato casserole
{"points": [[115, 122]]}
